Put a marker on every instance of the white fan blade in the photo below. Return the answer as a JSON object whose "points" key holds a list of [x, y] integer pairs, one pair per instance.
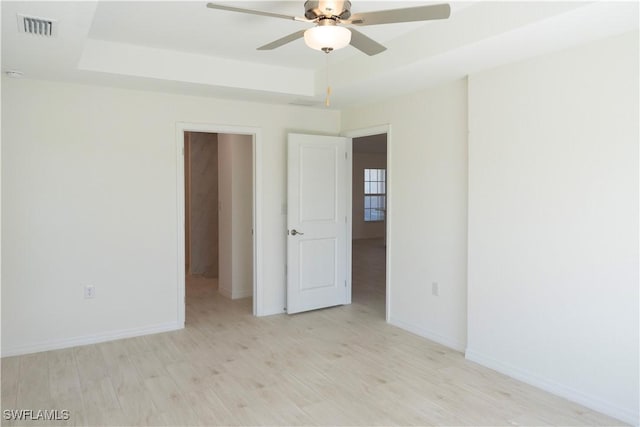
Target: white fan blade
{"points": [[365, 44], [255, 12], [283, 41], [411, 14]]}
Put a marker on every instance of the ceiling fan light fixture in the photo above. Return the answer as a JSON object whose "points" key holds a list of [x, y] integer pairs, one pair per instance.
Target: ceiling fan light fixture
{"points": [[329, 37]]}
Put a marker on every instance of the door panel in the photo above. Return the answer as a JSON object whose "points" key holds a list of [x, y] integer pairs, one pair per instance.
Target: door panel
{"points": [[317, 183], [317, 264], [316, 251]]}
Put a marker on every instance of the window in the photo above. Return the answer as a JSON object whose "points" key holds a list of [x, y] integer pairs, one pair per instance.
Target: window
{"points": [[375, 189]]}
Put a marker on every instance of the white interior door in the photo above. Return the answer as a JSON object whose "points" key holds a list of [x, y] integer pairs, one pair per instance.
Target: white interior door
{"points": [[317, 222]]}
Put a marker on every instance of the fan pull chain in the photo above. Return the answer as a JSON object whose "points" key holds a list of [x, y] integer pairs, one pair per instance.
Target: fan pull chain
{"points": [[327, 101]]}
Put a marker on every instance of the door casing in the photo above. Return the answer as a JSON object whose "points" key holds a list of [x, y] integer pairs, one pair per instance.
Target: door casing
{"points": [[256, 133]]}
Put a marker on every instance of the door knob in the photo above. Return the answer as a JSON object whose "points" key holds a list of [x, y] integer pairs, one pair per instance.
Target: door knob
{"points": [[294, 232]]}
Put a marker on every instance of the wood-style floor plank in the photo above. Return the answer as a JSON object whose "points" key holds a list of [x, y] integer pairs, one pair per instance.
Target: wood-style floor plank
{"points": [[33, 383], [10, 373]]}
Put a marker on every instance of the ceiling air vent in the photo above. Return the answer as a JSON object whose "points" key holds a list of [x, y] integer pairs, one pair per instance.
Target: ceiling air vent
{"points": [[37, 26]]}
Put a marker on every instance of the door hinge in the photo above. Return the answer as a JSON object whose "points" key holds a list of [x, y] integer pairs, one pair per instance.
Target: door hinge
{"points": [[345, 155], [345, 283]]}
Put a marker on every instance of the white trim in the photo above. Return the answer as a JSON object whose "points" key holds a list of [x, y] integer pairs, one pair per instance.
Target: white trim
{"points": [[624, 414], [349, 228], [238, 295], [256, 133], [224, 292], [90, 339], [244, 294], [377, 130], [180, 196], [430, 335]]}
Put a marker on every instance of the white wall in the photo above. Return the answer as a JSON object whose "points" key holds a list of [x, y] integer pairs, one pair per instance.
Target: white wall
{"points": [[365, 229], [89, 196], [553, 223], [236, 209], [427, 220], [225, 195], [242, 214]]}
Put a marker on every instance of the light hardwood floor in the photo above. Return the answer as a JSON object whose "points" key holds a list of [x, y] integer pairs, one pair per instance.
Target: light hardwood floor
{"points": [[338, 366]]}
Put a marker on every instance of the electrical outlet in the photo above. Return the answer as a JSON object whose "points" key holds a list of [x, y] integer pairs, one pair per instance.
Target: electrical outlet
{"points": [[435, 289], [89, 291]]}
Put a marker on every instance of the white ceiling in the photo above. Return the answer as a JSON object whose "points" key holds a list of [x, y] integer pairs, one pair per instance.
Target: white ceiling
{"points": [[187, 48]]}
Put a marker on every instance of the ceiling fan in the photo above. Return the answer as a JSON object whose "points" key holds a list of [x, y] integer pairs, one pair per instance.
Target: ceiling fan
{"points": [[328, 34]]}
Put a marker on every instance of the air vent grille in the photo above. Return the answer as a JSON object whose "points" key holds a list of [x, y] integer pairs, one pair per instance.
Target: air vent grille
{"points": [[37, 26]]}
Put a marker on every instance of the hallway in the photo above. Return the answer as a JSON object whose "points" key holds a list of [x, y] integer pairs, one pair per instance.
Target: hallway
{"points": [[369, 276]]}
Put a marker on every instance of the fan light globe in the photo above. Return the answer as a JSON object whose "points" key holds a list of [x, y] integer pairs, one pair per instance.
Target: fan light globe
{"points": [[331, 37]]}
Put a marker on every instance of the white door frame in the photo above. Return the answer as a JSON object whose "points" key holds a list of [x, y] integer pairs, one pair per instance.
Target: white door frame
{"points": [[357, 133], [256, 133]]}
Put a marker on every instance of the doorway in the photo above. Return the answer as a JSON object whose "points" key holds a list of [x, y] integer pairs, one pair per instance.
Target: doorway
{"points": [[218, 204], [369, 222], [218, 219]]}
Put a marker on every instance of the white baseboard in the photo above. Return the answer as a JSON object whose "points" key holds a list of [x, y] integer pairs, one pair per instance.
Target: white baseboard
{"points": [[246, 293], [592, 402], [430, 335], [89, 339], [224, 292]]}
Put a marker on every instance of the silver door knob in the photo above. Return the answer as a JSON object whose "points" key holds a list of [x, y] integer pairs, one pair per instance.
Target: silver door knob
{"points": [[294, 232]]}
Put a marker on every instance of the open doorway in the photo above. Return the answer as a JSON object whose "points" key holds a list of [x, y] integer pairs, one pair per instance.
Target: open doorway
{"points": [[218, 222], [369, 222]]}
